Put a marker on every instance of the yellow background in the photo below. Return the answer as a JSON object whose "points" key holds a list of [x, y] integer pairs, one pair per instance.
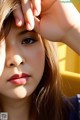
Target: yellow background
{"points": [[69, 63]]}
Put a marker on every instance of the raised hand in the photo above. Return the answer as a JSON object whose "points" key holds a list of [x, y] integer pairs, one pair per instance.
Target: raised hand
{"points": [[52, 19], [25, 12], [56, 19]]}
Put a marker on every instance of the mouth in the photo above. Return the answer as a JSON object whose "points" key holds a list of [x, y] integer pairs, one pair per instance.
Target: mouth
{"points": [[19, 79]]}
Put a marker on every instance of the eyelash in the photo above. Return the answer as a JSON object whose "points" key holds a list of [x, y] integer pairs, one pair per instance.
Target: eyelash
{"points": [[28, 41]]}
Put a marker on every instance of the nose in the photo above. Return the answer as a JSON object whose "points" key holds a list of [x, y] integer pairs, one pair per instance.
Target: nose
{"points": [[14, 55], [15, 61]]}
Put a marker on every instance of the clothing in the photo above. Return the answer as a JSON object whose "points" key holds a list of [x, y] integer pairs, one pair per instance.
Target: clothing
{"points": [[75, 108]]}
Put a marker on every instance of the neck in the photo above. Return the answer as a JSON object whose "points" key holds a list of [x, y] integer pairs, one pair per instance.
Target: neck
{"points": [[17, 109]]}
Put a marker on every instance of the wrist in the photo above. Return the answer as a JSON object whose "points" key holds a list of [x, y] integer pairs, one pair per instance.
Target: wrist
{"points": [[72, 39]]}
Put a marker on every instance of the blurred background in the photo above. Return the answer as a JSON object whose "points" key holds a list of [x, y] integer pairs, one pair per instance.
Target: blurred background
{"points": [[69, 63]]}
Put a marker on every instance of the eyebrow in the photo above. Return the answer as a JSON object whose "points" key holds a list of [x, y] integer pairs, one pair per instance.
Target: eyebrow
{"points": [[24, 32]]}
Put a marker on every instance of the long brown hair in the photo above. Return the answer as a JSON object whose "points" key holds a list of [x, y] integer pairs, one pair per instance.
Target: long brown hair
{"points": [[47, 100]]}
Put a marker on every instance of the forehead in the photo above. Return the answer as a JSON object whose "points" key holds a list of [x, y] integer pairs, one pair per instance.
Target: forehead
{"points": [[9, 24], [20, 31]]}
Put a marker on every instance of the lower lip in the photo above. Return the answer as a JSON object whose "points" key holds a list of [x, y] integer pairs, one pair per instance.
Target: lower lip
{"points": [[20, 81]]}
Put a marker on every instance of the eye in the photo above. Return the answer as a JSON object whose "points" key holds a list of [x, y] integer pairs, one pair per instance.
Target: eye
{"points": [[28, 41]]}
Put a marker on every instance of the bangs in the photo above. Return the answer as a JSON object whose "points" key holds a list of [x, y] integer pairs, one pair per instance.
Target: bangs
{"points": [[7, 25], [6, 8]]}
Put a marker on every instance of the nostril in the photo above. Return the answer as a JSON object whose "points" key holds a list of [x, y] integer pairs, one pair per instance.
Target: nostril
{"points": [[11, 64], [21, 62], [16, 63]]}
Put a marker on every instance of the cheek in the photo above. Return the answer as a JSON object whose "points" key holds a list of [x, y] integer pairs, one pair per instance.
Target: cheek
{"points": [[39, 64], [36, 60], [38, 57]]}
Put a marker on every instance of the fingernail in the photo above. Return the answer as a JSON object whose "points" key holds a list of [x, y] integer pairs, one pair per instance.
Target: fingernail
{"points": [[18, 22], [36, 13], [29, 26]]}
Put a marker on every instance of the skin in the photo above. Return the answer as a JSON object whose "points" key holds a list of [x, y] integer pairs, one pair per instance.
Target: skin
{"points": [[18, 61], [58, 17], [24, 12]]}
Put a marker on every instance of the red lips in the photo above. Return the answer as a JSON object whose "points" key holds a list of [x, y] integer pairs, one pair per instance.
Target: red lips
{"points": [[19, 79]]}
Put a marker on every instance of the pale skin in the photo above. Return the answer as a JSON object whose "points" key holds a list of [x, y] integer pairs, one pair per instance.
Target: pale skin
{"points": [[61, 25], [56, 16], [16, 98]]}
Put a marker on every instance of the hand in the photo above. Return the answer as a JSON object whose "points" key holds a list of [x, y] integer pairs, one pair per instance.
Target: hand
{"points": [[56, 18], [25, 12]]}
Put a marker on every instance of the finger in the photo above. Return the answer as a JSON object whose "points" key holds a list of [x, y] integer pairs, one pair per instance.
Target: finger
{"points": [[28, 14], [18, 15], [37, 25], [36, 7], [49, 32], [39, 28]]}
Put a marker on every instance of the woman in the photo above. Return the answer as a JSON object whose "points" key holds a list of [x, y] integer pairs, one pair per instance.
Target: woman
{"points": [[30, 76], [66, 28], [31, 79]]}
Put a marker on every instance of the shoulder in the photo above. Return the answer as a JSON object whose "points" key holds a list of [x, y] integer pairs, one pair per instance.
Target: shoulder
{"points": [[74, 106]]}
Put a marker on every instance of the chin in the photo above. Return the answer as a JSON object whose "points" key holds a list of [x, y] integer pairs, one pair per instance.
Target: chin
{"points": [[20, 92]]}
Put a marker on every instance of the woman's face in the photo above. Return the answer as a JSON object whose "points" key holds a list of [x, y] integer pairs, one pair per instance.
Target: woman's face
{"points": [[24, 64]]}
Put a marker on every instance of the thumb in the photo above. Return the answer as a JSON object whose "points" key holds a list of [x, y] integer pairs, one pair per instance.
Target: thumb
{"points": [[42, 27], [37, 25]]}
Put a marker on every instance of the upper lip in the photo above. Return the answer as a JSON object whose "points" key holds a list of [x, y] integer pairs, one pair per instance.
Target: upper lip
{"points": [[18, 76]]}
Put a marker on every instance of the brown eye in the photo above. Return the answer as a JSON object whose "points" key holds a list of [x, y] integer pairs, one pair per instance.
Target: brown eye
{"points": [[28, 41]]}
